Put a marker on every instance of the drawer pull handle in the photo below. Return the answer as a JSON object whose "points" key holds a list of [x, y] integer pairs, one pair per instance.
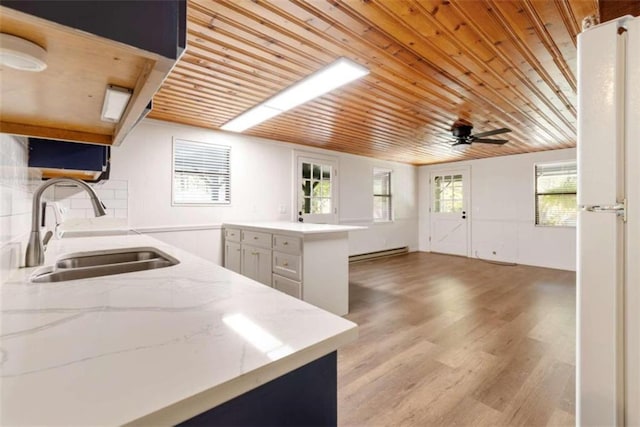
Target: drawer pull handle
{"points": [[254, 253], [285, 243], [255, 237]]}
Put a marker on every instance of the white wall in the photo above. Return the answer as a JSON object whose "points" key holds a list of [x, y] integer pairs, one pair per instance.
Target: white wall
{"points": [[503, 212], [261, 183]]}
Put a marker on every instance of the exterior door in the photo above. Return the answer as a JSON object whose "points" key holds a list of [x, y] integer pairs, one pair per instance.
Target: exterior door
{"points": [[317, 190], [449, 212]]}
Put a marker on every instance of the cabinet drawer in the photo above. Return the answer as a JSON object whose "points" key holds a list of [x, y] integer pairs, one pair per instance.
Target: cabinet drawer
{"points": [[287, 265], [287, 244], [288, 286], [256, 238], [232, 234]]}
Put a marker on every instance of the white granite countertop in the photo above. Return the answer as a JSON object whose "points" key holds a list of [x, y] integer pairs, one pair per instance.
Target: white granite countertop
{"points": [[295, 227], [152, 347]]}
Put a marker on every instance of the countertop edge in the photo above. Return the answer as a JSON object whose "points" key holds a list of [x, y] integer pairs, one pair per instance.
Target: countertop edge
{"points": [[208, 399], [272, 227]]}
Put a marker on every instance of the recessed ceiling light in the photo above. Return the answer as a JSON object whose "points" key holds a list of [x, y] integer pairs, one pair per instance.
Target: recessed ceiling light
{"points": [[336, 74], [21, 54]]}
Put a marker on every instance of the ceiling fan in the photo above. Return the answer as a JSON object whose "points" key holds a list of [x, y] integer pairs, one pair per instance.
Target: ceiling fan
{"points": [[461, 131]]}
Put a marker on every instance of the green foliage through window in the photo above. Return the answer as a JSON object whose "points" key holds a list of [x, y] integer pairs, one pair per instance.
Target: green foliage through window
{"points": [[556, 188]]}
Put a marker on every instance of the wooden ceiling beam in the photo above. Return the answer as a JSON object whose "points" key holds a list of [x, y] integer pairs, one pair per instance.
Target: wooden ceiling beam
{"points": [[612, 9]]}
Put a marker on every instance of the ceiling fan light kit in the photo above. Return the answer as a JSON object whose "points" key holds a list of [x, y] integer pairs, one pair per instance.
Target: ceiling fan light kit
{"points": [[461, 131]]}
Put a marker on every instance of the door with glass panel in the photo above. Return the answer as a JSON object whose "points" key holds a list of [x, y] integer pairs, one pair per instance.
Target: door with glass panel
{"points": [[317, 189], [449, 212]]}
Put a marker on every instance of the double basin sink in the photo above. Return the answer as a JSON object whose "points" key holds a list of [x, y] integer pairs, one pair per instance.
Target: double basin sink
{"points": [[84, 265]]}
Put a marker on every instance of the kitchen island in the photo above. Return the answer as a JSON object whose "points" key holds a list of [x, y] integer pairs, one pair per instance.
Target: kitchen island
{"points": [[307, 261], [154, 347]]}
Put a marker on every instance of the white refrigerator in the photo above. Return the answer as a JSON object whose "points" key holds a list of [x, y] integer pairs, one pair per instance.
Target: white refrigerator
{"points": [[608, 277]]}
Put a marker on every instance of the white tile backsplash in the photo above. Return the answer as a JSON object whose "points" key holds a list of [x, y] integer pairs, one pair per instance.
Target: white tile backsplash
{"points": [[16, 189], [76, 204]]}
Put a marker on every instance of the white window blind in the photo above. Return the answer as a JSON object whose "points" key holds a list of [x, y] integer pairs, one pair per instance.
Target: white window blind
{"points": [[201, 173], [382, 195], [556, 187]]}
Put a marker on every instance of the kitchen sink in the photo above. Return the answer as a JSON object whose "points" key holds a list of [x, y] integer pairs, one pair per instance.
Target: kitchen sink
{"points": [[84, 265], [97, 258]]}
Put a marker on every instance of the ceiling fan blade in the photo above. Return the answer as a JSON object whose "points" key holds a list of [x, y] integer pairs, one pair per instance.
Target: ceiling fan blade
{"points": [[492, 132], [460, 142], [491, 141]]}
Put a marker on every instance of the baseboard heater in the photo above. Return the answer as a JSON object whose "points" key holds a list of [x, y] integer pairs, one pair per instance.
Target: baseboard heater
{"points": [[379, 254]]}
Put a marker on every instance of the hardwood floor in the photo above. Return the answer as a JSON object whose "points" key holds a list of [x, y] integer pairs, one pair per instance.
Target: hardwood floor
{"points": [[451, 341]]}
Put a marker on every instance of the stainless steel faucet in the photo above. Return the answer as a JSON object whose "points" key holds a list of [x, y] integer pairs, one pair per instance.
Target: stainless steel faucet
{"points": [[35, 248]]}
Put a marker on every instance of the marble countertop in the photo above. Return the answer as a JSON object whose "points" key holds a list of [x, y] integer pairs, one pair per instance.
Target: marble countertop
{"points": [[295, 227], [152, 347]]}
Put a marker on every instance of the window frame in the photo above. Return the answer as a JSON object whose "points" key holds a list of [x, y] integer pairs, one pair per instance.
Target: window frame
{"points": [[389, 172], [536, 214], [436, 203], [226, 147]]}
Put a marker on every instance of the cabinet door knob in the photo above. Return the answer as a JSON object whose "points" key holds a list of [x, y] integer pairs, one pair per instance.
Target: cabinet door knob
{"points": [[285, 243], [285, 263], [255, 237]]}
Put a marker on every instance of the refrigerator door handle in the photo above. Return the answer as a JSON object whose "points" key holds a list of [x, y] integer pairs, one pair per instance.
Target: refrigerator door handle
{"points": [[619, 209]]}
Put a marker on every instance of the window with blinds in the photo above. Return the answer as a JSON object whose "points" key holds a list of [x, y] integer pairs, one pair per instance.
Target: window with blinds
{"points": [[556, 187], [382, 195], [201, 173]]}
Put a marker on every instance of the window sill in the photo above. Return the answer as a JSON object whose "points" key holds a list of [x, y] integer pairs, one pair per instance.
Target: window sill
{"points": [[380, 222]]}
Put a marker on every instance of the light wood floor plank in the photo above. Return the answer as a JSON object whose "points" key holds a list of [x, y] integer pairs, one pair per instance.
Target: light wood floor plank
{"points": [[451, 341]]}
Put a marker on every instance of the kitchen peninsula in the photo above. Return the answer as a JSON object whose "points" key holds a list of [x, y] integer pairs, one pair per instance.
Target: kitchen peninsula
{"points": [[156, 347], [307, 261]]}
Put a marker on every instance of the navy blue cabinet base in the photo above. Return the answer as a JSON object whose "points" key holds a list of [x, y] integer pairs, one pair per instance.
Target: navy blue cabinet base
{"points": [[89, 162], [304, 397]]}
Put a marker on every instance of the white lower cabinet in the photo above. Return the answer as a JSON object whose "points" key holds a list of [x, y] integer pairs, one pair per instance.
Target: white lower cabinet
{"points": [[313, 267], [288, 286], [232, 256], [255, 263]]}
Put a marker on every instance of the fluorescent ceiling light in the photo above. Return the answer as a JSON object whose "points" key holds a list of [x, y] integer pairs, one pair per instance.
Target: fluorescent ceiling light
{"points": [[115, 102], [251, 118], [21, 54], [334, 75]]}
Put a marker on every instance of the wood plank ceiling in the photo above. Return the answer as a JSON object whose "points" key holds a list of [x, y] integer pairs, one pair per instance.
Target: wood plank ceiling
{"points": [[495, 63]]}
